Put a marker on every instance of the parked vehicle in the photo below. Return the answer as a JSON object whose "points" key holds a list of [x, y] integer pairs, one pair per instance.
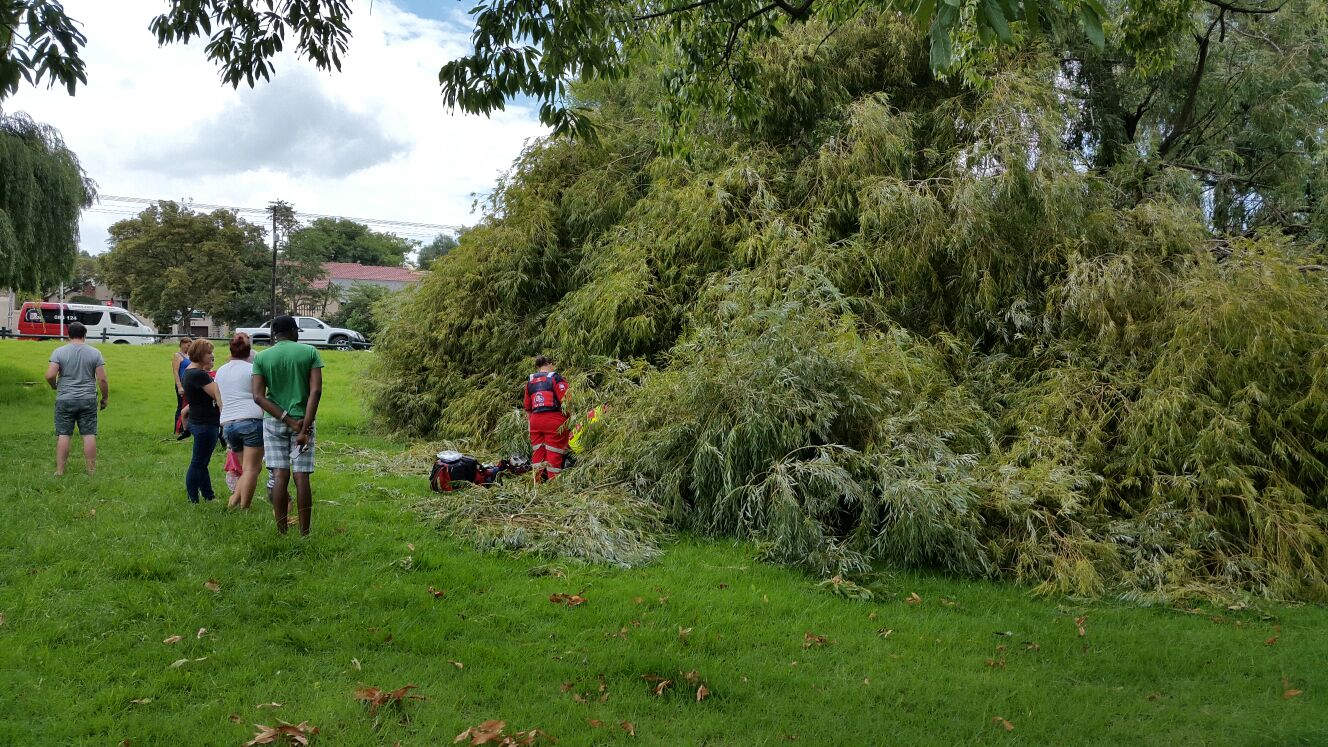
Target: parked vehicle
{"points": [[109, 323], [313, 331]]}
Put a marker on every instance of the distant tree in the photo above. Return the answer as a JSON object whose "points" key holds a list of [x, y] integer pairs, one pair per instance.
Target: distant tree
{"points": [[86, 271], [357, 309], [42, 191], [343, 240], [170, 260], [440, 246]]}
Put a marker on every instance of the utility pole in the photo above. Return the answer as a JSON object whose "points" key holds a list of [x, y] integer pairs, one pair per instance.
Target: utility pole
{"points": [[278, 209]]}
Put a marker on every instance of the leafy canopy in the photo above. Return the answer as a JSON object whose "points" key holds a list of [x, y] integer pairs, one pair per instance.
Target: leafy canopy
{"points": [[42, 191], [344, 240]]}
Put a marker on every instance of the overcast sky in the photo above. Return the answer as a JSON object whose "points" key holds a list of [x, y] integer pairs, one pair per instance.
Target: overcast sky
{"points": [[373, 141]]}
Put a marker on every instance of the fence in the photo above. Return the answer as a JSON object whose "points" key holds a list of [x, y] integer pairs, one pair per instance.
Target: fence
{"points": [[120, 338]]}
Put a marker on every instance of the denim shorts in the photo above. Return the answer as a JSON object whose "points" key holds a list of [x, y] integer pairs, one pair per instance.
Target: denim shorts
{"points": [[243, 433], [81, 411]]}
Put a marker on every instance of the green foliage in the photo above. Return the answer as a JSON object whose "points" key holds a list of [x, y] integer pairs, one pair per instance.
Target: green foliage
{"points": [[170, 260], [441, 245], [42, 192], [894, 319], [344, 240], [357, 310]]}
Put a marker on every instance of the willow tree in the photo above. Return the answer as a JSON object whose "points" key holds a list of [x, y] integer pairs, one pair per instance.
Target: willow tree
{"points": [[42, 192], [966, 321]]}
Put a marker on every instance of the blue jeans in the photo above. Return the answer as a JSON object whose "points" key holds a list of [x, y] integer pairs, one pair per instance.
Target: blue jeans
{"points": [[196, 478]]}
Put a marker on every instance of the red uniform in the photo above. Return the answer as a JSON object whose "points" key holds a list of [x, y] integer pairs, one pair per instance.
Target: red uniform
{"points": [[548, 435]]}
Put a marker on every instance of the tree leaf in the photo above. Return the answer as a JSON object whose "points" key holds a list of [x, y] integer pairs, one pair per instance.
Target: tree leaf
{"points": [[995, 17], [1093, 26]]}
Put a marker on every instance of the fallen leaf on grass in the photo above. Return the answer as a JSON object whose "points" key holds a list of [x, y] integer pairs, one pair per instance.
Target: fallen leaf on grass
{"points": [[702, 693], [885, 632], [594, 723], [141, 701], [638, 600], [273, 704], [234, 718], [871, 616], [866, 680], [201, 632], [410, 547], [298, 734], [913, 599], [810, 640], [948, 602], [1004, 724], [683, 632], [178, 663], [1031, 646], [996, 663], [356, 663], [2, 619], [1080, 622], [566, 687], [1270, 641], [628, 727], [437, 593], [663, 601], [660, 684], [212, 586], [571, 600], [491, 732], [456, 664], [723, 586], [377, 698], [1287, 692], [173, 639]]}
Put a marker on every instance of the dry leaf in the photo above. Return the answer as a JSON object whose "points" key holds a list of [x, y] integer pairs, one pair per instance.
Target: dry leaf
{"points": [[871, 616], [482, 734], [684, 632], [178, 663], [274, 704], [1031, 646], [885, 632], [866, 680], [810, 639], [201, 632], [663, 600], [173, 639], [594, 723], [913, 598], [571, 600], [702, 693], [437, 593], [1079, 623], [298, 734], [234, 718], [948, 602], [212, 585], [356, 663], [723, 586], [996, 663], [410, 547], [1289, 694], [1270, 641], [1004, 724], [456, 664], [566, 687], [141, 701], [377, 698], [628, 727]]}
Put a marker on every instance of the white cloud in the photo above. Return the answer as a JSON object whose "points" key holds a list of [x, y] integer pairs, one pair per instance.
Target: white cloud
{"points": [[373, 141]]}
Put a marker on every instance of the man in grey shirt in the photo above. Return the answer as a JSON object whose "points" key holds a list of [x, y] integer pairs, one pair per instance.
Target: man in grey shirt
{"points": [[76, 372]]}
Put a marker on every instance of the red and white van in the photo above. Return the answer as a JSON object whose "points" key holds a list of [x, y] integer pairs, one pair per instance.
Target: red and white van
{"points": [[109, 323]]}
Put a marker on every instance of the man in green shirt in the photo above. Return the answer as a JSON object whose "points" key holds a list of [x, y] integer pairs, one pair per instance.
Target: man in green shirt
{"points": [[287, 384]]}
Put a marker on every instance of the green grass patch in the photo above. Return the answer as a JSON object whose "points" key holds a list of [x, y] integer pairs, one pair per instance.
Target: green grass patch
{"points": [[95, 573]]}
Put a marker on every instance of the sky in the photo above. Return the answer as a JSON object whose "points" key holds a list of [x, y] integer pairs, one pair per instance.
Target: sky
{"points": [[372, 141]]}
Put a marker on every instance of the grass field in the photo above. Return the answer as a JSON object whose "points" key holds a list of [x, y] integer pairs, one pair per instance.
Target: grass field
{"points": [[95, 573]]}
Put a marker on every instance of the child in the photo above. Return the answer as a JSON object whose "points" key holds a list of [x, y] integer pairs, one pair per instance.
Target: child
{"points": [[233, 469]]}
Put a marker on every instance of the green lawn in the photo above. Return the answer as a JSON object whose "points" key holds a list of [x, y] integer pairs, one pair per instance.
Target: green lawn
{"points": [[95, 573]]}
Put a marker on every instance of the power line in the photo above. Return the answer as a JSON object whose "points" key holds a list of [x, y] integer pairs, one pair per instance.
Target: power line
{"points": [[413, 228]]}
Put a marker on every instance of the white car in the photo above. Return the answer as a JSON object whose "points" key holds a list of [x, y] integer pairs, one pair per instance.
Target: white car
{"points": [[105, 323], [313, 331]]}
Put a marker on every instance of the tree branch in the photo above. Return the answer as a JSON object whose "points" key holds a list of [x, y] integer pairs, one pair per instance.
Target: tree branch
{"points": [[672, 11], [1240, 9], [1192, 93], [737, 27]]}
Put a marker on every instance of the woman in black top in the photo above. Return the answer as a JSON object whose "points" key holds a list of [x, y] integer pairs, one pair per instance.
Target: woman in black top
{"points": [[203, 404]]}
